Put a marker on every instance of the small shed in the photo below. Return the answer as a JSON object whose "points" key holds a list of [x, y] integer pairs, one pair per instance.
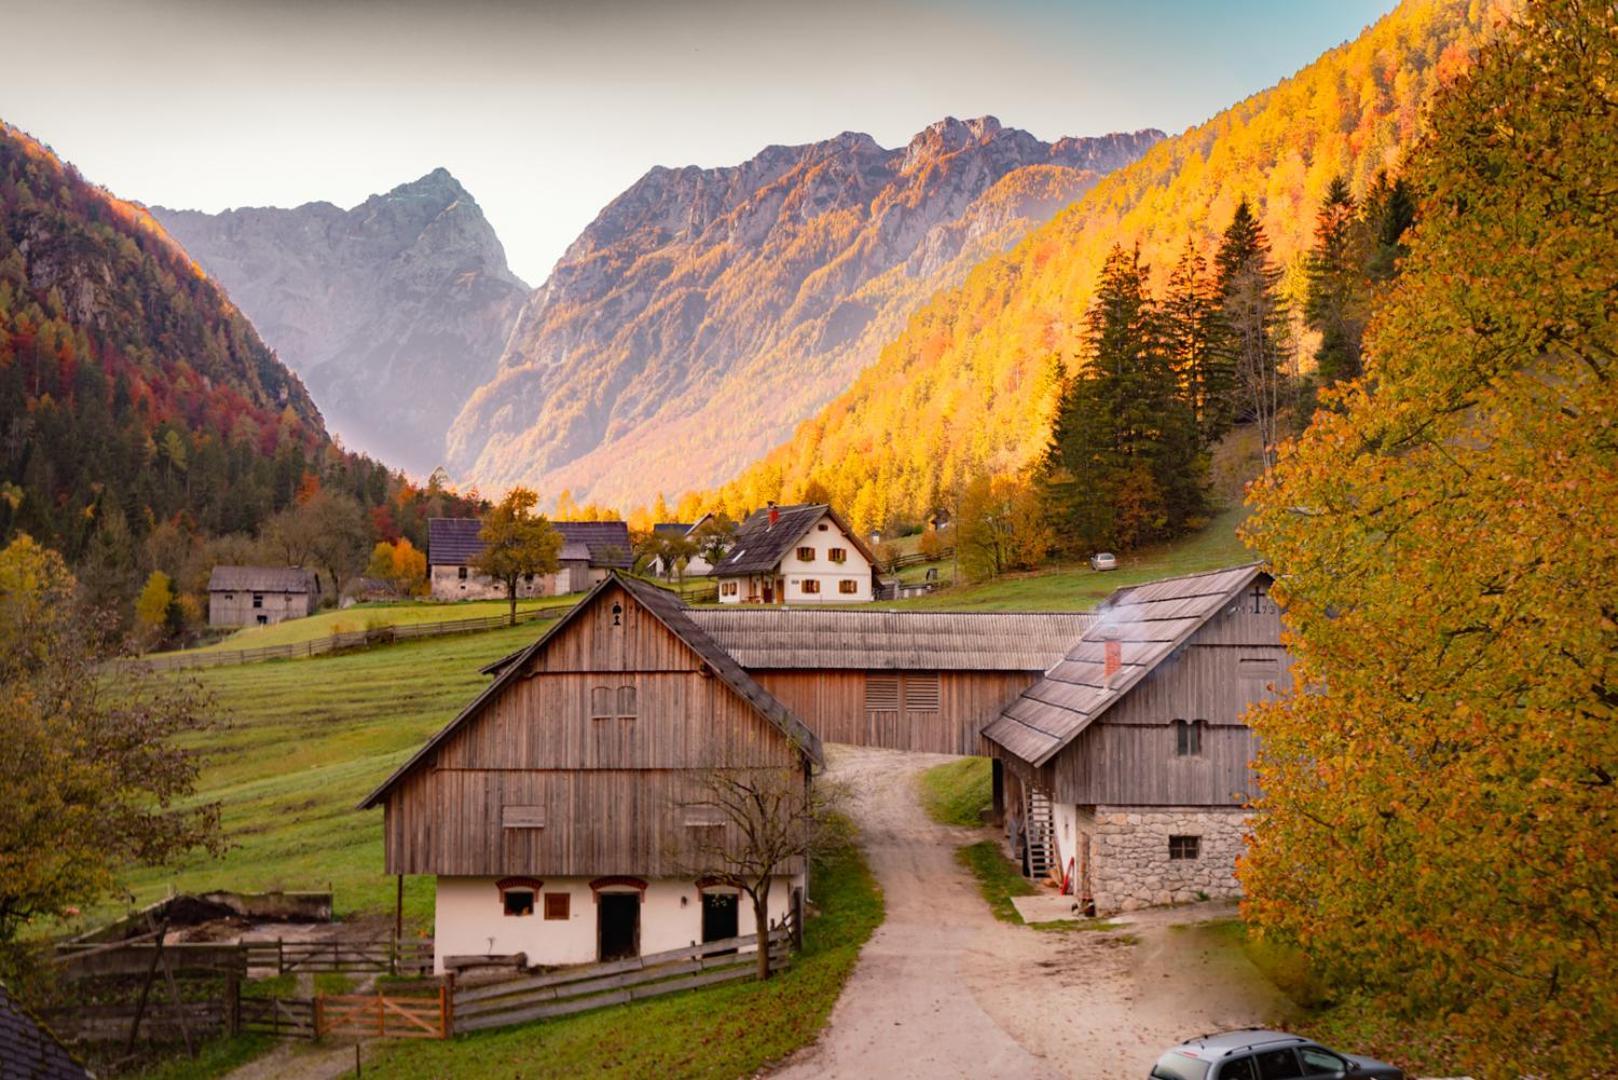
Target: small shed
{"points": [[260, 595]]}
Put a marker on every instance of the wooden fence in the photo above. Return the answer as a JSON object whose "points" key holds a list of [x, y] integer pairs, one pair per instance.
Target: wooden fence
{"points": [[160, 1021], [379, 1016], [593, 986], [915, 558], [284, 1018], [407, 957], [355, 639]]}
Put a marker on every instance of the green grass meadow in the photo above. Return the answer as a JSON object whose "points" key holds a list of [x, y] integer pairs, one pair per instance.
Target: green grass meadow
{"points": [[370, 617]]}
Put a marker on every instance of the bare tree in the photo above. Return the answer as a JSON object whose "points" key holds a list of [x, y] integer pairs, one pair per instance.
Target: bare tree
{"points": [[745, 827]]}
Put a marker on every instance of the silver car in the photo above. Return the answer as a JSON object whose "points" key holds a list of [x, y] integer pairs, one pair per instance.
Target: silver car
{"points": [[1103, 560], [1256, 1054]]}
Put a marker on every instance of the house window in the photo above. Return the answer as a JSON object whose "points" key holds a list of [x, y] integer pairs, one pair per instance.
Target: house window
{"points": [[601, 702], [1184, 847], [558, 905], [528, 579], [806, 554], [730, 588], [810, 586], [258, 599], [822, 526], [626, 702], [460, 572], [230, 596], [881, 693], [848, 586], [518, 901], [607, 702], [1187, 738], [838, 555], [921, 692]]}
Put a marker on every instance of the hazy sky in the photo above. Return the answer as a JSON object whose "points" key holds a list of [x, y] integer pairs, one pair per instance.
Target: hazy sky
{"points": [[547, 110]]}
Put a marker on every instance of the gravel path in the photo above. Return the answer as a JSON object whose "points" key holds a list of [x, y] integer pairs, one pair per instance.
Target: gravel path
{"points": [[945, 990]]}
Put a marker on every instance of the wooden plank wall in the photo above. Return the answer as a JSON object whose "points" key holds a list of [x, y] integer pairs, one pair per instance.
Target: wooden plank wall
{"points": [[832, 704], [610, 790]]}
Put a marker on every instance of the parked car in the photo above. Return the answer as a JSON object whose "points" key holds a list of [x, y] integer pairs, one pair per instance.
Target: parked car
{"points": [[1256, 1054], [1103, 560]]}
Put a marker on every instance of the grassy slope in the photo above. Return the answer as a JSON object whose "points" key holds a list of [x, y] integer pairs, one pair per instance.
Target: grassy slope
{"points": [[301, 741], [369, 616], [1078, 588], [956, 792], [725, 1031]]}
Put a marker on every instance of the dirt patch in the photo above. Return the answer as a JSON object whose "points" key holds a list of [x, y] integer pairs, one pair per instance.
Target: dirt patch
{"points": [[943, 989]]}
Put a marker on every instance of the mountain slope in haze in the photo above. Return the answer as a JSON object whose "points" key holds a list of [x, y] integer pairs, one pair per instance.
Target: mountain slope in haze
{"points": [[128, 381], [966, 387], [706, 311], [393, 311]]}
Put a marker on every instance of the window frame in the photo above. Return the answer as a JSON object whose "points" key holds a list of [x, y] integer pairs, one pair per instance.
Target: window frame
{"points": [[848, 586], [837, 555], [460, 573], [809, 586], [806, 554], [1181, 843], [1188, 737]]}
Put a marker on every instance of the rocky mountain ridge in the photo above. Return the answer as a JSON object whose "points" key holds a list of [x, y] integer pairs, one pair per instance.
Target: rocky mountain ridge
{"points": [[705, 312], [392, 311]]}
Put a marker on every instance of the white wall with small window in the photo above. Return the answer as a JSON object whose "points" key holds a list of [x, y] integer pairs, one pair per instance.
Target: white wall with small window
{"points": [[825, 567]]}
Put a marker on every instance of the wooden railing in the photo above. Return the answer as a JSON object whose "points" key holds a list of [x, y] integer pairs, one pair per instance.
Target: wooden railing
{"points": [[409, 957], [593, 986], [284, 1018], [354, 639], [915, 558]]}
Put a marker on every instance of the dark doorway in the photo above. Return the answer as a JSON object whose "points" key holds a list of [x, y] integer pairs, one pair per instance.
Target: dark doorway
{"points": [[769, 593], [618, 925], [719, 919]]}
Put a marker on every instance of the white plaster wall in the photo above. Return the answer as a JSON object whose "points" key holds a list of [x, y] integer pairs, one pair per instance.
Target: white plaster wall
{"points": [[822, 569], [470, 919]]}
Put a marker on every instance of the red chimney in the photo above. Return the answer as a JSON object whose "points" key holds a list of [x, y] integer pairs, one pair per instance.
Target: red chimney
{"points": [[775, 515], [1114, 660]]}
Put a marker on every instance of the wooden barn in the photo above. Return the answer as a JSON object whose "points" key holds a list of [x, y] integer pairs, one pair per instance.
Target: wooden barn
{"points": [[1128, 762], [556, 809], [260, 595]]}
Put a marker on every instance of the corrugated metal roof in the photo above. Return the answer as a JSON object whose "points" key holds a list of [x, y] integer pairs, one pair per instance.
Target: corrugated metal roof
{"points": [[28, 1049], [287, 579], [762, 638], [454, 542], [1149, 621]]}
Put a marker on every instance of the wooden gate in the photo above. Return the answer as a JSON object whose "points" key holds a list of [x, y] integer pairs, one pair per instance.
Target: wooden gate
{"points": [[377, 1016]]}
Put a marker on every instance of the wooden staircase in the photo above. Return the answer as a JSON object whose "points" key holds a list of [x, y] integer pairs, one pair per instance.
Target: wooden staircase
{"points": [[1041, 833]]}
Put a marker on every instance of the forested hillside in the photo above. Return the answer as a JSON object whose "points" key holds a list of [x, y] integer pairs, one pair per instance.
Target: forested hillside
{"points": [[968, 388], [141, 416]]}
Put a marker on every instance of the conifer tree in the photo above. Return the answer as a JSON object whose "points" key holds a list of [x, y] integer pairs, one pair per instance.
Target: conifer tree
{"points": [[1390, 211], [1252, 325], [1190, 320], [1337, 304]]}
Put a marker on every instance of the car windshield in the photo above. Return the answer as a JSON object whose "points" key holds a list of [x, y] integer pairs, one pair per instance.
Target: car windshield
{"points": [[1176, 1065]]}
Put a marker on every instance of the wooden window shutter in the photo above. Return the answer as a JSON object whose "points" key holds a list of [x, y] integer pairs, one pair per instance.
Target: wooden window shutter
{"points": [[921, 692], [881, 693], [600, 702], [626, 701]]}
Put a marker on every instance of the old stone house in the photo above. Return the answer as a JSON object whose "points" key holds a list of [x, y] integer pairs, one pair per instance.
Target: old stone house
{"points": [[589, 550], [796, 555], [1128, 764], [260, 595]]}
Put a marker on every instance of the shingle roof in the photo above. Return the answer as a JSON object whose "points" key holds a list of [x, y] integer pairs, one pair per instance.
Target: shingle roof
{"points": [[1149, 622], [761, 638], [760, 546], [289, 579], [454, 542], [28, 1049], [668, 610], [671, 528]]}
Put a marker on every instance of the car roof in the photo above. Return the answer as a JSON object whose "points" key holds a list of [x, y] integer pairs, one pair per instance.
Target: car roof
{"points": [[1243, 1039]]}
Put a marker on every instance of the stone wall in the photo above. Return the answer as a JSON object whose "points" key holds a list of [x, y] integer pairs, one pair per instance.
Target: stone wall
{"points": [[1130, 863]]}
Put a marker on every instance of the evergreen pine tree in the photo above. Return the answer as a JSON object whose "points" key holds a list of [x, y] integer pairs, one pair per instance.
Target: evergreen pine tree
{"points": [[1390, 211], [1253, 325], [1190, 320], [1336, 305]]}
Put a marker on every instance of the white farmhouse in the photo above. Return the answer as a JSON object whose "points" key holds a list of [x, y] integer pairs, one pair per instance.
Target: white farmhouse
{"points": [[796, 555]]}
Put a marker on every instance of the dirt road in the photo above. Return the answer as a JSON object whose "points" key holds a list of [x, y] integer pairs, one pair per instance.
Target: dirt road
{"points": [[944, 990]]}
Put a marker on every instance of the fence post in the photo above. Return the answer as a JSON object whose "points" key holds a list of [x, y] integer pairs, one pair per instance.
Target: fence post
{"points": [[233, 1003], [320, 1016], [280, 957], [797, 919]]}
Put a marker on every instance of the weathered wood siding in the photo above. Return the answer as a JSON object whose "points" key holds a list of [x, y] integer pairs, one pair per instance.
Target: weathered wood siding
{"points": [[610, 790], [833, 705], [1127, 756]]}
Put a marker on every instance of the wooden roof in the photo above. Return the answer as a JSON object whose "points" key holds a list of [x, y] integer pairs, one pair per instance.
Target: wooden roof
{"points": [[761, 638], [759, 546], [667, 609], [286, 579], [1149, 622]]}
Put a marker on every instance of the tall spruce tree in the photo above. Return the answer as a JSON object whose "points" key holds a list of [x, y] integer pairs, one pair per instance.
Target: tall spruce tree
{"points": [[1337, 303], [1125, 464], [1389, 212], [1253, 325], [1190, 322]]}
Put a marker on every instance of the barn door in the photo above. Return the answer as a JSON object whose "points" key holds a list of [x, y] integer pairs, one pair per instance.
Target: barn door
{"points": [[618, 925]]}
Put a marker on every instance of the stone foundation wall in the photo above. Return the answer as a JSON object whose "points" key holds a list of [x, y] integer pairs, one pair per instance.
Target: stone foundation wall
{"points": [[1130, 863]]}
